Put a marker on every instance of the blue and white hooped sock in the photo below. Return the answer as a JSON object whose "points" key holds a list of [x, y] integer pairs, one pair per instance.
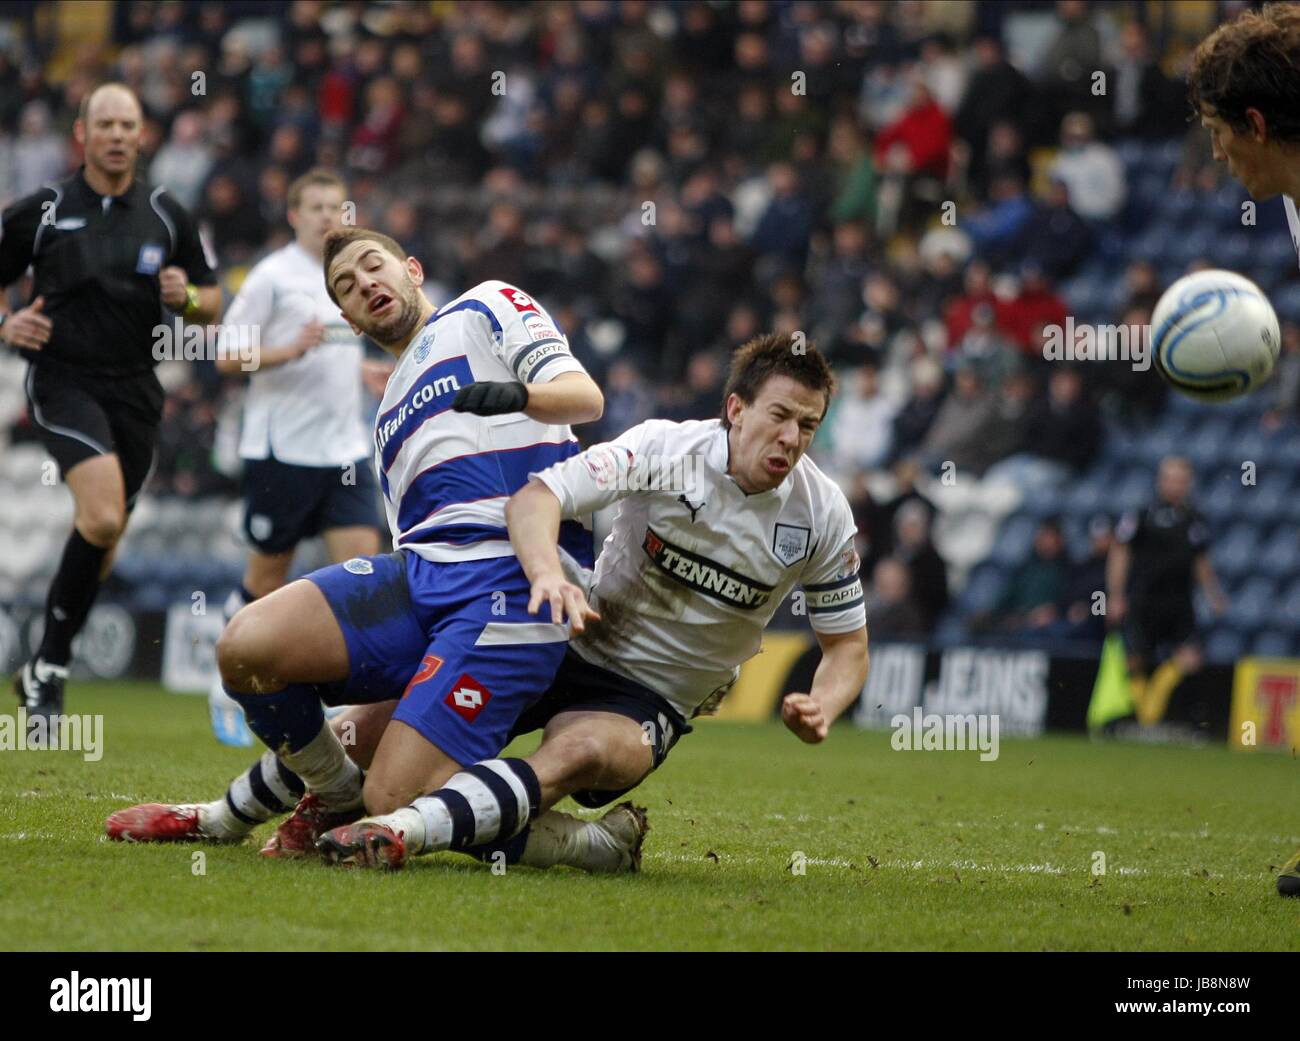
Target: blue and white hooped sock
{"points": [[291, 723], [486, 804]]}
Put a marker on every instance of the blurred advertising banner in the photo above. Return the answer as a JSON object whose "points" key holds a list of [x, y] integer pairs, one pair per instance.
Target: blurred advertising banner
{"points": [[1030, 691], [1266, 704]]}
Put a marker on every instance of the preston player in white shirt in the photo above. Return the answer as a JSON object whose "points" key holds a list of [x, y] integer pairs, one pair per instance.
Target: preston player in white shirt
{"points": [[1244, 80], [688, 578]]}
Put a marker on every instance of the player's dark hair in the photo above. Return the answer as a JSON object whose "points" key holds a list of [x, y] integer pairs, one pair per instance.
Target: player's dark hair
{"points": [[336, 240], [1252, 62], [316, 176], [776, 354]]}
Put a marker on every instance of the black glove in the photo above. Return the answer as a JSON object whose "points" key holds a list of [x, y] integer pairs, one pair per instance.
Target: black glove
{"points": [[491, 399]]}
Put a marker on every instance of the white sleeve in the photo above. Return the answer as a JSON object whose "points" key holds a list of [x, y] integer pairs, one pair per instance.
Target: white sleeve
{"points": [[252, 308], [598, 477], [831, 581], [531, 345]]}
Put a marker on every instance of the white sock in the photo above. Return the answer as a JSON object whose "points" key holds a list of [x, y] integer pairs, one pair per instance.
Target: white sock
{"points": [[216, 821], [559, 838], [325, 769], [408, 823]]}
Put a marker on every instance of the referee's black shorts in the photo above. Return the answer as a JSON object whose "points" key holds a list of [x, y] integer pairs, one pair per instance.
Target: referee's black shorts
{"points": [[1155, 628], [79, 417]]}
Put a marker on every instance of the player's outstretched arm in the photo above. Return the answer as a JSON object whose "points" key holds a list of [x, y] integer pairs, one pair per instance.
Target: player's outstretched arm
{"points": [[836, 683], [533, 520], [572, 397]]}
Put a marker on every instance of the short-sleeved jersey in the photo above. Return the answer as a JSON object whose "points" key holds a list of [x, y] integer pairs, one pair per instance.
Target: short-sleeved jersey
{"points": [[307, 411], [446, 475], [96, 261], [694, 567], [1164, 543]]}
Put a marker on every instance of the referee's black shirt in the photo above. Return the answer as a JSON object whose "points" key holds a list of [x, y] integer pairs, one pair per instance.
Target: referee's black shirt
{"points": [[96, 259], [1165, 542]]}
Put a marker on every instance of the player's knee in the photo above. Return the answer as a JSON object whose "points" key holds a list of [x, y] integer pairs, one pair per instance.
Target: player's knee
{"points": [[102, 524], [239, 650], [587, 756]]}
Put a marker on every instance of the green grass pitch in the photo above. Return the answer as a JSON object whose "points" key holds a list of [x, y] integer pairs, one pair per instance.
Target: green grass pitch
{"points": [[903, 850]]}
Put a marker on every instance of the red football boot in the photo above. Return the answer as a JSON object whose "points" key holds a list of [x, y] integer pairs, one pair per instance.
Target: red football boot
{"points": [[366, 843], [297, 834], [157, 822]]}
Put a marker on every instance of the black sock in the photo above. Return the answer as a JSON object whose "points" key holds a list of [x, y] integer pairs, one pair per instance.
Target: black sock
{"points": [[71, 595]]}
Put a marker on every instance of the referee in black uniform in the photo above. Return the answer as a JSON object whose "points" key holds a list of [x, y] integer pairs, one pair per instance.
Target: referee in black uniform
{"points": [[1159, 553], [108, 252]]}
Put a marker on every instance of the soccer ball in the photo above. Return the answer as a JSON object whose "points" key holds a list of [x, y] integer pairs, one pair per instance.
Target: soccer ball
{"points": [[1214, 335]]}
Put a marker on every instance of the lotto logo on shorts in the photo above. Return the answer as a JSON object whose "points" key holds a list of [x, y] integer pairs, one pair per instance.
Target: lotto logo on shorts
{"points": [[467, 697]]}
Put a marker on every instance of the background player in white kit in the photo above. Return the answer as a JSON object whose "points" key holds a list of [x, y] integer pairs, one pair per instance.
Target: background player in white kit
{"points": [[685, 584], [306, 452], [1244, 80]]}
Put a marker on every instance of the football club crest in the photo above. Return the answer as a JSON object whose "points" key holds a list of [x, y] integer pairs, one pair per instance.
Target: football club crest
{"points": [[790, 543], [150, 260], [422, 351]]}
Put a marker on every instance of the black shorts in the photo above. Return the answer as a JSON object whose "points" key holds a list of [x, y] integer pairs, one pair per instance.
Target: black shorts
{"points": [[580, 686], [79, 418], [285, 503], [1155, 628]]}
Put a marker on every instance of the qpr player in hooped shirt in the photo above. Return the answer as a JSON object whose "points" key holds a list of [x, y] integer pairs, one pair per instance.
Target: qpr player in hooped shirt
{"points": [[480, 397]]}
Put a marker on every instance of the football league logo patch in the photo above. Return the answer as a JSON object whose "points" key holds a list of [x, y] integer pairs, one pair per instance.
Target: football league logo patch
{"points": [[467, 697], [359, 566], [790, 543]]}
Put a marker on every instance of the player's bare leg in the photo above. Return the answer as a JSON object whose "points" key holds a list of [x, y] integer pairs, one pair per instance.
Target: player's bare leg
{"points": [[265, 573], [345, 543], [486, 804], [99, 494]]}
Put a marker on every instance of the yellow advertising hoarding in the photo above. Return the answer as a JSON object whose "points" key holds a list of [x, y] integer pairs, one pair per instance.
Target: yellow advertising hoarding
{"points": [[1265, 704]]}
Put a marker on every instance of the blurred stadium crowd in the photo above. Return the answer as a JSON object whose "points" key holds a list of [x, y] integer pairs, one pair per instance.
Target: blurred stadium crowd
{"points": [[921, 187]]}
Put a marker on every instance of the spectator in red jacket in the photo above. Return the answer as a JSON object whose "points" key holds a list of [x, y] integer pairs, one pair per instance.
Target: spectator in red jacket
{"points": [[977, 289], [1036, 305], [918, 141]]}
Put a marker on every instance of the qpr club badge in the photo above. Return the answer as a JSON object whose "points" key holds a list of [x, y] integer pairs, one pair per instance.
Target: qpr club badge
{"points": [[790, 543]]}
